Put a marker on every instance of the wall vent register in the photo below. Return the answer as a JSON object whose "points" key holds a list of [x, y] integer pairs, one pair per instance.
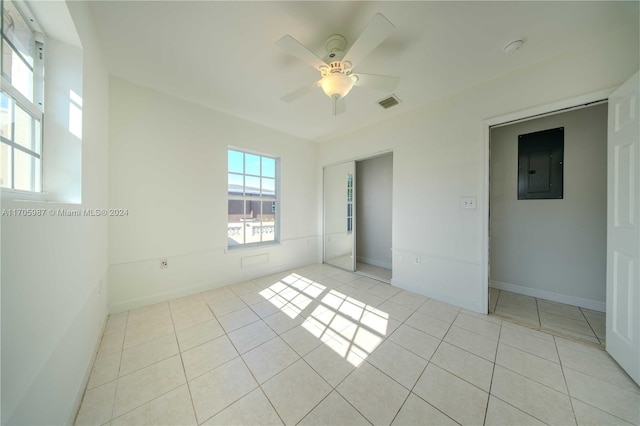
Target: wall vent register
{"points": [[389, 102]]}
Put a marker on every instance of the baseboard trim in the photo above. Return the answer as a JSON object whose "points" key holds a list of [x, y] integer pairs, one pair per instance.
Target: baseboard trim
{"points": [[374, 262], [549, 295], [198, 288], [87, 373]]}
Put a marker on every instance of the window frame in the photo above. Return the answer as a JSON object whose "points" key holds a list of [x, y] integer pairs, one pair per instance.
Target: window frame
{"points": [[275, 199], [35, 108]]}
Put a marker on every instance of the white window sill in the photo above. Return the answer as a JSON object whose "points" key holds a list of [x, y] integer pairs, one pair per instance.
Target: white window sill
{"points": [[17, 195], [255, 246]]}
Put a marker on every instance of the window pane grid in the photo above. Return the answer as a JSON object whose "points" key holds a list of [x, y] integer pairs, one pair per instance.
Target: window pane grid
{"points": [[17, 52], [21, 161], [252, 198], [20, 118], [16, 29], [17, 71]]}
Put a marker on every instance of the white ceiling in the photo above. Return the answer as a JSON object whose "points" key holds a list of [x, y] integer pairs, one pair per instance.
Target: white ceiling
{"points": [[223, 54]]}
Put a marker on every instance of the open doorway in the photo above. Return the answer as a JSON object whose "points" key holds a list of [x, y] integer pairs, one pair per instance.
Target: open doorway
{"points": [[373, 197], [357, 208], [547, 256]]}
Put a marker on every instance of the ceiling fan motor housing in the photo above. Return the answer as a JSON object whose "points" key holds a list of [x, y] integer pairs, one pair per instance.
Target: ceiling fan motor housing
{"points": [[336, 46]]}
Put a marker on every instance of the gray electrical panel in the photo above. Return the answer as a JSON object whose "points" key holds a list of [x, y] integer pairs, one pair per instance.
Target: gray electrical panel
{"points": [[540, 164]]}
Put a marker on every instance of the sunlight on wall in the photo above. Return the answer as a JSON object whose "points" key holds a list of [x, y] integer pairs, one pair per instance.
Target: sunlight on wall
{"points": [[348, 326], [75, 114]]}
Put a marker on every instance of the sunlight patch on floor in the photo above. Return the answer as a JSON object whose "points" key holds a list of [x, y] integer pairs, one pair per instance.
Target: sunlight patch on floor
{"points": [[349, 327]]}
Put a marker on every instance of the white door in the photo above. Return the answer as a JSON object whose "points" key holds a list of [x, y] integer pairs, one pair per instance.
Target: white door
{"points": [[623, 227]]}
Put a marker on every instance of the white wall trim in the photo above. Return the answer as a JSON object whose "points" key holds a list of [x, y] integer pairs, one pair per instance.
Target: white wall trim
{"points": [[360, 157], [217, 250], [522, 115], [559, 106], [549, 295]]}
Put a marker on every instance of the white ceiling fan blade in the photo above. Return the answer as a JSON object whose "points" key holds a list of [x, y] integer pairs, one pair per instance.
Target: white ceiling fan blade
{"points": [[386, 83], [375, 33], [295, 48], [299, 92]]}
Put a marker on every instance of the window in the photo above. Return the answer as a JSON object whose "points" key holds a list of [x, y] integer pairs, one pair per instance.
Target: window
{"points": [[21, 102], [253, 198]]}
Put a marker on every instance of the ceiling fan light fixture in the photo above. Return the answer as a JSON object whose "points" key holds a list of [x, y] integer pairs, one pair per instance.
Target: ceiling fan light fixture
{"points": [[337, 84]]}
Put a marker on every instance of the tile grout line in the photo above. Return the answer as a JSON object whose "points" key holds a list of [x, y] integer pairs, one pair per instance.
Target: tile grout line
{"points": [[515, 372], [461, 378], [302, 358], [115, 394], [493, 371], [139, 369], [425, 369], [590, 326], [550, 330], [495, 308], [244, 363], [184, 370], [410, 390], [335, 388], [573, 411]]}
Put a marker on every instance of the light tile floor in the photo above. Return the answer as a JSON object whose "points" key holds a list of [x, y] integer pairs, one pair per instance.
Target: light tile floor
{"points": [[320, 346], [372, 271], [559, 319]]}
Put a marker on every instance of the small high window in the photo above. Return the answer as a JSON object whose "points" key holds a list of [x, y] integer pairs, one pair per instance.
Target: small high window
{"points": [[253, 198], [21, 101]]}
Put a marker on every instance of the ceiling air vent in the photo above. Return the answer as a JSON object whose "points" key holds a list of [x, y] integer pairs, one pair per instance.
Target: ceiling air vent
{"points": [[389, 102]]}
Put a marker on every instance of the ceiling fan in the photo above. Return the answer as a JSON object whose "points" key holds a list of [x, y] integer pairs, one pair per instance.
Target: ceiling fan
{"points": [[337, 67]]}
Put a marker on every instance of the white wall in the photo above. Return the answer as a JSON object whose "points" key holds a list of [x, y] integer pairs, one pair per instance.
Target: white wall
{"points": [[374, 200], [439, 157], [62, 168], [554, 249], [168, 167], [54, 274]]}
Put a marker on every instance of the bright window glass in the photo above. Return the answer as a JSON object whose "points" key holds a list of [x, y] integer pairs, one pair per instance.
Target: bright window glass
{"points": [[20, 112], [252, 198]]}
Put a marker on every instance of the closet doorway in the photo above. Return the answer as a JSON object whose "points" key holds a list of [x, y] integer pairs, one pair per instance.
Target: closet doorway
{"points": [[357, 216], [548, 222]]}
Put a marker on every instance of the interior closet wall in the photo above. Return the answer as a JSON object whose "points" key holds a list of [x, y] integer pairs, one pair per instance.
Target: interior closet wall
{"points": [[553, 249], [374, 178]]}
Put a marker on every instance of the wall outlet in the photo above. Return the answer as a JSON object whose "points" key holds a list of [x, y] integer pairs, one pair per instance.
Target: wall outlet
{"points": [[417, 260], [468, 202], [164, 263]]}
